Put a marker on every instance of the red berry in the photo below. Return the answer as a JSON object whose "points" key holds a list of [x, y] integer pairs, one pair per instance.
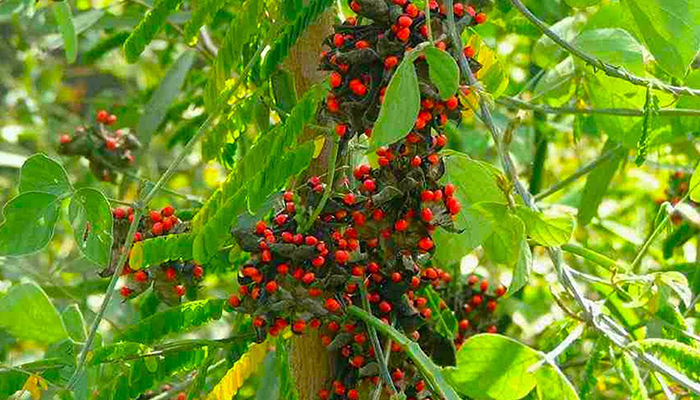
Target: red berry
{"points": [[426, 313], [425, 244], [469, 51], [332, 305], [421, 302], [401, 225], [358, 361], [404, 21], [384, 307], [452, 103], [349, 199], [353, 394], [65, 139], [198, 272], [111, 143], [492, 329], [157, 229], [258, 322], [338, 40], [427, 195], [369, 185], [155, 216], [260, 227], [463, 325], [271, 287], [491, 305], [403, 34], [390, 62], [476, 300], [341, 256], [416, 161], [111, 120], [318, 261], [458, 9], [336, 80], [480, 18], [396, 277], [500, 290], [449, 190], [308, 278], [426, 214], [141, 276], [362, 44], [125, 291], [397, 375], [137, 235], [180, 290], [453, 205], [102, 116], [119, 213], [341, 130], [282, 269], [484, 285], [412, 10], [355, 6]]}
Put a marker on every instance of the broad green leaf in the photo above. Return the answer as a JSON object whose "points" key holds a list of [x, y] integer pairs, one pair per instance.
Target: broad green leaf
{"points": [[503, 244], [401, 105], [494, 367], [597, 184], [557, 85], [670, 31], [475, 181], [552, 384], [27, 314], [581, 3], [11, 381], [443, 71], [547, 229], [695, 185], [163, 97], [42, 174], [677, 282], [29, 223], [177, 319], [202, 14], [521, 275], [614, 46], [91, 219], [74, 322], [62, 14], [546, 53], [680, 356], [148, 28], [632, 378]]}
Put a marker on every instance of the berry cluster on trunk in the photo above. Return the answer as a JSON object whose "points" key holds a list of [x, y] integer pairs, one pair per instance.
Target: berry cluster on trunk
{"points": [[374, 232], [109, 151]]}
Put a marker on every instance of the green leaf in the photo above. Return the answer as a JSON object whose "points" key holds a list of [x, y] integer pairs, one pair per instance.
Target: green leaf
{"points": [[11, 381], [581, 3], [546, 53], [552, 384], [283, 89], [177, 319], [677, 282], [29, 223], [75, 323], [590, 378], [547, 229], [164, 95], [91, 219], [62, 14], [597, 184], [446, 323], [475, 181], [400, 107], [632, 378], [104, 46], [41, 174], [695, 185], [521, 275], [148, 28], [202, 14], [116, 351], [614, 46], [494, 367], [443, 71], [280, 49], [27, 314], [670, 31], [557, 85], [503, 245], [680, 356], [161, 249]]}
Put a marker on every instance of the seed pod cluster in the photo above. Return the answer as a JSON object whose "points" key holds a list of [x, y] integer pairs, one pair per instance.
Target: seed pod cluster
{"points": [[170, 280], [474, 304], [108, 151], [374, 232]]}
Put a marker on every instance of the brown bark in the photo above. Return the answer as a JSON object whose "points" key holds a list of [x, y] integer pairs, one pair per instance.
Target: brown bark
{"points": [[309, 359]]}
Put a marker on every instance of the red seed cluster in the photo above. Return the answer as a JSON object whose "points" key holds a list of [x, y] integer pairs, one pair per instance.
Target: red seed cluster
{"points": [[108, 151], [374, 232], [474, 304], [171, 280]]}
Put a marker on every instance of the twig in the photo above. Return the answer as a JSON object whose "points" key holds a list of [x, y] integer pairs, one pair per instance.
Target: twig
{"points": [[579, 173], [512, 102], [603, 323], [590, 255], [596, 63], [208, 42], [551, 357], [329, 188]]}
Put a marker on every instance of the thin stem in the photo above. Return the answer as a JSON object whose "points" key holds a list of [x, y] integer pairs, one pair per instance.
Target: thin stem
{"points": [[596, 63], [579, 173], [329, 188], [590, 255], [551, 357], [512, 102], [378, 352], [640, 254]]}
